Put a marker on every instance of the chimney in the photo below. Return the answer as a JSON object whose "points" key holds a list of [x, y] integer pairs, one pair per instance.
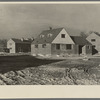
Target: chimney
{"points": [[22, 39], [27, 39], [50, 28]]}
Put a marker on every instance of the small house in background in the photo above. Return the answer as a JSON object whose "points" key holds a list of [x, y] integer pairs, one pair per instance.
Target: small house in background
{"points": [[60, 42], [94, 39], [19, 45]]}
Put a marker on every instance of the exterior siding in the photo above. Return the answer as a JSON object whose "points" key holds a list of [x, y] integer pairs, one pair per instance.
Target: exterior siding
{"points": [[95, 43], [63, 50], [41, 50], [75, 49], [61, 38], [33, 49], [66, 40], [87, 49]]}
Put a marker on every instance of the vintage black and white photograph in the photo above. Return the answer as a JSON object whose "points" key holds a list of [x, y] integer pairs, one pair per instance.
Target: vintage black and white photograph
{"points": [[49, 44]]}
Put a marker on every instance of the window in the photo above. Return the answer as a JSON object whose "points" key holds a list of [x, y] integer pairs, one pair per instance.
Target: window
{"points": [[58, 46], [49, 35], [93, 46], [62, 35], [93, 40], [36, 46], [41, 36], [43, 45], [68, 46]]}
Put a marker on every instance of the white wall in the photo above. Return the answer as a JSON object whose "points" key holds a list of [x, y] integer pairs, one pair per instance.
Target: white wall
{"points": [[96, 43], [12, 47]]}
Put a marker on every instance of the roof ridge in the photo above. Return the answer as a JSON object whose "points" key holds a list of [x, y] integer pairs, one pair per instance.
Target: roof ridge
{"points": [[53, 29]]}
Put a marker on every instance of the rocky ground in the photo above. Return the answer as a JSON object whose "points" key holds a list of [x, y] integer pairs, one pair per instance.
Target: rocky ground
{"points": [[67, 72]]}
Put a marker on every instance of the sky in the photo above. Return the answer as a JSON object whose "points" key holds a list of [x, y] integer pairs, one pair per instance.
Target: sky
{"points": [[29, 20]]}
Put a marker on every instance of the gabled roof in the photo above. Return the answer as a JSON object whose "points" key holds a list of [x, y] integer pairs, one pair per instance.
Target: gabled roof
{"points": [[20, 41], [47, 39], [76, 36], [80, 40]]}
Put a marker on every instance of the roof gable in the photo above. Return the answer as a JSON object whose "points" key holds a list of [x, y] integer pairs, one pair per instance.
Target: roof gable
{"points": [[93, 36], [66, 40]]}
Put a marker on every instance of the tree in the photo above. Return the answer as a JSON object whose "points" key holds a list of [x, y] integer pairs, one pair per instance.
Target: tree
{"points": [[83, 34]]}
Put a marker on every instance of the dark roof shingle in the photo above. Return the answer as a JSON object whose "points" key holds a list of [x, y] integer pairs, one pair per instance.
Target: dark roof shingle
{"points": [[20, 41], [80, 40]]}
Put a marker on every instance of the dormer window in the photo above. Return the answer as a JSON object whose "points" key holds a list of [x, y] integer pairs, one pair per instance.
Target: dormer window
{"points": [[36, 46], [41, 36], [62, 35], [49, 35]]}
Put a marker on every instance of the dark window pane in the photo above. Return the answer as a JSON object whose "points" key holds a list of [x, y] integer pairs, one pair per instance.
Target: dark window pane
{"points": [[68, 46], [88, 47], [36, 46], [57, 46], [62, 35], [93, 40]]}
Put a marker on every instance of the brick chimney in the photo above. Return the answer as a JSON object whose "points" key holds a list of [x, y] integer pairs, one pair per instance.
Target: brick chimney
{"points": [[22, 39]]}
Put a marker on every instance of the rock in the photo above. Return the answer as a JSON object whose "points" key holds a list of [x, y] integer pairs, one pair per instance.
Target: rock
{"points": [[57, 55], [2, 83], [6, 80], [34, 55], [20, 73], [10, 74]]}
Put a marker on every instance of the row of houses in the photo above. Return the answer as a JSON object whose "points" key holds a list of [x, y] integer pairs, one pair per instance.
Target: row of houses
{"points": [[57, 42]]}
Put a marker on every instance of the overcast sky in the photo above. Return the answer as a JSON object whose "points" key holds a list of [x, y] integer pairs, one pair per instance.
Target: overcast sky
{"points": [[28, 20]]}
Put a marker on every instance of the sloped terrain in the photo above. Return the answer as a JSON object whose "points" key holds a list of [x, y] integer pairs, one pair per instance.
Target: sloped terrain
{"points": [[52, 72]]}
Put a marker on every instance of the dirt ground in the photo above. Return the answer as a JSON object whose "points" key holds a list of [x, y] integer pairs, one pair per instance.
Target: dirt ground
{"points": [[27, 70]]}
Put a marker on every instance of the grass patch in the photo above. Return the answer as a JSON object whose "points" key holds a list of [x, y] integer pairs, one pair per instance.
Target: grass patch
{"points": [[8, 63]]}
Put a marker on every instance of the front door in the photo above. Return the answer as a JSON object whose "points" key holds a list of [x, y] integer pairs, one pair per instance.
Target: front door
{"points": [[80, 49]]}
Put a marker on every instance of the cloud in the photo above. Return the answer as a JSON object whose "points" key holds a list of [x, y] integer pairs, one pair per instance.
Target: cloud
{"points": [[26, 20]]}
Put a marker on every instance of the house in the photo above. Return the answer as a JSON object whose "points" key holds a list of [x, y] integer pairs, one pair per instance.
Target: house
{"points": [[94, 39], [60, 42], [19, 45]]}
